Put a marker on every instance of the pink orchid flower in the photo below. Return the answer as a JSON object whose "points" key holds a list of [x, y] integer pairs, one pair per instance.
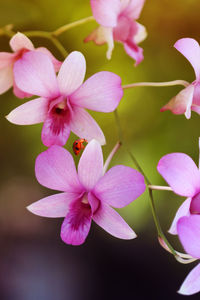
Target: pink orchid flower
{"points": [[117, 22], [88, 195], [20, 45], [189, 98], [63, 100], [189, 232], [183, 176]]}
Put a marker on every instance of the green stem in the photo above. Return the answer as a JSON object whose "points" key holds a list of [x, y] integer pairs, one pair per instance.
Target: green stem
{"points": [[154, 213], [59, 46], [47, 35], [72, 25], [156, 84]]}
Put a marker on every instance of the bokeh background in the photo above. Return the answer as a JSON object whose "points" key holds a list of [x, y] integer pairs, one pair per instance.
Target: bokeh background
{"points": [[34, 262]]}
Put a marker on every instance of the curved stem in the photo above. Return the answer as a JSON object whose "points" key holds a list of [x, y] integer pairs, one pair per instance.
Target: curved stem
{"points": [[110, 156], [48, 35], [66, 27], [59, 46], [160, 188], [156, 84], [154, 213]]}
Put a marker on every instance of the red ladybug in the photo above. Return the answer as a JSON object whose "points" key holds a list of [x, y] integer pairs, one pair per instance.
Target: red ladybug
{"points": [[78, 145]]}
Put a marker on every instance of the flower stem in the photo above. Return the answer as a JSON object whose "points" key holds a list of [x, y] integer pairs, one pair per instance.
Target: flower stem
{"points": [[110, 156], [66, 27], [154, 213], [47, 35], [160, 188], [156, 84]]}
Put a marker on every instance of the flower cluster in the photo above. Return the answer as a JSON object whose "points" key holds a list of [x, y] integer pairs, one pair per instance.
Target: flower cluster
{"points": [[61, 104]]}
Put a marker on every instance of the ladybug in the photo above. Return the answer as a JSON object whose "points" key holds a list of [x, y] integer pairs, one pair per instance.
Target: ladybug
{"points": [[78, 146]]}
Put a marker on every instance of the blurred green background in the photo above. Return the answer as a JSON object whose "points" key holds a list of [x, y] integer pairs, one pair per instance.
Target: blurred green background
{"points": [[149, 133]]}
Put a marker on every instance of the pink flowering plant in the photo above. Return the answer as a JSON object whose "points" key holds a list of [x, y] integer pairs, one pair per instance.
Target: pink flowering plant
{"points": [[91, 192], [87, 194], [117, 20]]}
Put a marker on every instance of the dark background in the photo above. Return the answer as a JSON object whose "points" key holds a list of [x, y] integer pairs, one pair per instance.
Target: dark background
{"points": [[34, 262]]}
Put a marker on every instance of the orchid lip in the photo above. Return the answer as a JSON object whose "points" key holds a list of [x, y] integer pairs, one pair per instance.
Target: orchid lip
{"points": [[195, 204]]}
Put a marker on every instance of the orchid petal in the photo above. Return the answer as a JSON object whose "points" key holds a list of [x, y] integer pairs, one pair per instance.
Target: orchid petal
{"points": [[6, 59], [90, 167], [196, 96], [57, 64], [55, 132], [181, 103], [190, 49], [72, 73], [184, 210], [34, 73], [188, 229], [134, 52], [84, 126], [195, 205], [101, 92], [120, 186], [106, 12], [19, 93], [6, 79], [32, 112], [107, 218], [191, 284], [55, 206], [100, 36], [55, 169], [181, 173], [19, 41], [76, 225], [132, 8], [141, 34]]}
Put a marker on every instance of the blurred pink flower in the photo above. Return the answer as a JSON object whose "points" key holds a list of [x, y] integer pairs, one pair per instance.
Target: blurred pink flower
{"points": [[189, 233], [63, 100], [189, 98], [20, 45], [117, 22], [182, 174], [87, 195]]}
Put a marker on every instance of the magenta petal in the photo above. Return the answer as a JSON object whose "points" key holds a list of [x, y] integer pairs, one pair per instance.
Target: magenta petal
{"points": [[55, 206], [134, 52], [90, 167], [181, 173], [101, 92], [188, 229], [76, 225], [55, 169], [120, 186], [34, 73], [191, 284], [72, 73], [195, 204], [107, 218], [184, 210], [31, 112], [106, 12], [84, 126], [191, 50], [55, 132], [6, 79]]}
